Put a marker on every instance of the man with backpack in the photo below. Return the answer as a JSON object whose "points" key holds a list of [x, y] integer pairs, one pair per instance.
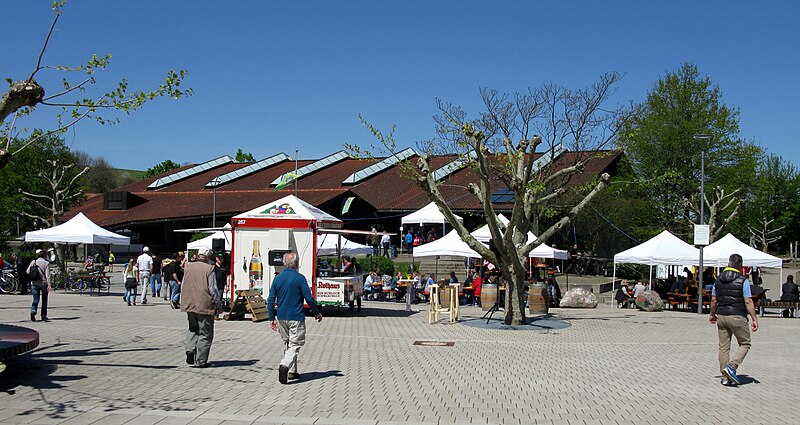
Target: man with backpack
{"points": [[39, 275]]}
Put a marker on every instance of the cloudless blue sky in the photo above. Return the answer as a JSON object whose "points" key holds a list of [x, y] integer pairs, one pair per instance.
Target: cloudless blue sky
{"points": [[279, 76]]}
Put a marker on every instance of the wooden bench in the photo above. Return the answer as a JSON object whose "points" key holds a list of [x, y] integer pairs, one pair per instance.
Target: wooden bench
{"points": [[783, 305]]}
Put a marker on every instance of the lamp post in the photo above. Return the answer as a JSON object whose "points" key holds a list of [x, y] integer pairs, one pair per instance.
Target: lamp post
{"points": [[214, 204], [704, 137]]}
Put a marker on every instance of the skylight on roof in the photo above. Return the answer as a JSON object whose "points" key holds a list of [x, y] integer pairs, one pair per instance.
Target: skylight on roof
{"points": [[379, 166], [189, 172], [546, 158], [314, 166], [453, 166], [250, 169], [503, 196]]}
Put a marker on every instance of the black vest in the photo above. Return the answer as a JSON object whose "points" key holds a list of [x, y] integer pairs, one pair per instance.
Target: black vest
{"points": [[730, 301]]}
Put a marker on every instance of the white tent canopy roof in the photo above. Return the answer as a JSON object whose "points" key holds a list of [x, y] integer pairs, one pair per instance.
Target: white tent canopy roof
{"points": [[292, 207], [483, 234], [328, 242], [428, 214], [78, 229], [207, 241], [664, 249], [451, 244], [717, 254]]}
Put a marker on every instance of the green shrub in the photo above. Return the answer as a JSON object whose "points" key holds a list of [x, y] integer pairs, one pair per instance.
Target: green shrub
{"points": [[371, 263]]}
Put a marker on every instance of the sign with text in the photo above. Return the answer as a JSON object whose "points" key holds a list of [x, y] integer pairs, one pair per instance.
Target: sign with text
{"points": [[702, 234]]}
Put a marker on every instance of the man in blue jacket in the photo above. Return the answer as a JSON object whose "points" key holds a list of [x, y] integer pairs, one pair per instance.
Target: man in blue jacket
{"points": [[288, 291]]}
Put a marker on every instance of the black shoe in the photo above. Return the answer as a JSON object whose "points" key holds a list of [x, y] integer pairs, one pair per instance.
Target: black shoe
{"points": [[45, 319], [129, 304], [33, 317], [201, 366], [190, 357], [293, 376], [144, 302], [283, 374]]}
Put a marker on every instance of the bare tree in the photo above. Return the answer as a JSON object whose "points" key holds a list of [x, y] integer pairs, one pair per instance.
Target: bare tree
{"points": [[547, 117], [721, 209], [61, 191], [75, 103], [765, 234]]}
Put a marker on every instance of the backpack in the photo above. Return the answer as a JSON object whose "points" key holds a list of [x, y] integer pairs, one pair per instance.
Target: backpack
{"points": [[34, 274]]}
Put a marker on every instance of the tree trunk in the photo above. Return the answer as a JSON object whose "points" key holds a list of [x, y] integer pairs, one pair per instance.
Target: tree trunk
{"points": [[515, 297]]}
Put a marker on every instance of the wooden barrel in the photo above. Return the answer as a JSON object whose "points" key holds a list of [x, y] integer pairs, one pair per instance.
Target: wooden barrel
{"points": [[537, 298], [488, 295]]}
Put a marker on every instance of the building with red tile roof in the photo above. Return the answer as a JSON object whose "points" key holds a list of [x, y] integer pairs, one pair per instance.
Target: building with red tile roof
{"points": [[150, 210]]}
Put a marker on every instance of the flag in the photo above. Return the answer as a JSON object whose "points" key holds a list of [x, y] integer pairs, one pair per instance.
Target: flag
{"points": [[286, 180]]}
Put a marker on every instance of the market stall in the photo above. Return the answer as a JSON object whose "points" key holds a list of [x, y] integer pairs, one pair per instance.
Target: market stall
{"points": [[262, 235]]}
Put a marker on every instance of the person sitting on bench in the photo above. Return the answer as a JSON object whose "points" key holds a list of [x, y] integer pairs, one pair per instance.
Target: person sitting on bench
{"points": [[622, 296], [789, 293]]}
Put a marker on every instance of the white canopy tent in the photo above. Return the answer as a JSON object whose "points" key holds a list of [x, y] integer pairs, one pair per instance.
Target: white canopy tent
{"points": [[207, 241], [451, 244], [328, 243], [716, 255], [78, 229], [483, 234], [428, 214], [663, 249]]}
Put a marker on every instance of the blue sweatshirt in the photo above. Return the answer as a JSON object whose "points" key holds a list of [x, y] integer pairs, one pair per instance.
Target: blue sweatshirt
{"points": [[288, 290]]}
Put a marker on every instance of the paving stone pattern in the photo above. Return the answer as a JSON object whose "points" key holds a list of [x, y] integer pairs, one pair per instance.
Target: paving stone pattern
{"points": [[103, 362]]}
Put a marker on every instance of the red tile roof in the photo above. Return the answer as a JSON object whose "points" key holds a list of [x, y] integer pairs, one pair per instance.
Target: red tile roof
{"points": [[389, 190]]}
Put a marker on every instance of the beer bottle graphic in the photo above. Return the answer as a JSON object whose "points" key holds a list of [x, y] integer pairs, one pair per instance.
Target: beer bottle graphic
{"points": [[256, 268]]}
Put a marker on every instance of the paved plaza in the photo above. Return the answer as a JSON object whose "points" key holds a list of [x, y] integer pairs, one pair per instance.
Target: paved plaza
{"points": [[103, 362]]}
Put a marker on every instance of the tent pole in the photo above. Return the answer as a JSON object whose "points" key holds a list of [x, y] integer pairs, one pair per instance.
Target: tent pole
{"points": [[613, 281]]}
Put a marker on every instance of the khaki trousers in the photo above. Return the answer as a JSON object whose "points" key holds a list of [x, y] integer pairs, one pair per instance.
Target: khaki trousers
{"points": [[728, 326], [293, 333]]}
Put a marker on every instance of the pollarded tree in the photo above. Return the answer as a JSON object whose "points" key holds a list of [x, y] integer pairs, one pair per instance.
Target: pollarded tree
{"points": [[659, 140], [74, 99], [499, 145]]}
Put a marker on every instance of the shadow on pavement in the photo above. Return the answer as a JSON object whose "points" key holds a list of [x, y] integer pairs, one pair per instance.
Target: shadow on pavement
{"points": [[311, 376], [232, 363]]}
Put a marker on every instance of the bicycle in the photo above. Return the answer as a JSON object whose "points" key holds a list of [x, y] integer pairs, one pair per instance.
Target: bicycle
{"points": [[9, 282]]}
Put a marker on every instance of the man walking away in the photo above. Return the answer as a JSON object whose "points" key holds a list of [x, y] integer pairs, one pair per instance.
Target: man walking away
{"points": [[145, 264], [385, 243], [200, 301], [288, 291], [730, 306], [40, 284]]}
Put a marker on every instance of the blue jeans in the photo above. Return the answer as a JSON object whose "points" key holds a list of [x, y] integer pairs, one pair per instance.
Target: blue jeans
{"points": [[39, 292], [176, 291], [130, 295], [155, 289]]}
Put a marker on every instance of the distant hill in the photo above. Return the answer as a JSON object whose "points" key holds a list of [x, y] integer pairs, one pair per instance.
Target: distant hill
{"points": [[128, 176]]}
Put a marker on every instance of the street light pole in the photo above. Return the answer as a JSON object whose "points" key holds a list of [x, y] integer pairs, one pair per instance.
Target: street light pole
{"points": [[214, 205], [702, 218]]}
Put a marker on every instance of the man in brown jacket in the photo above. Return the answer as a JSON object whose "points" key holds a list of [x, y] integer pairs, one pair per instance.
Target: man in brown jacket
{"points": [[200, 299]]}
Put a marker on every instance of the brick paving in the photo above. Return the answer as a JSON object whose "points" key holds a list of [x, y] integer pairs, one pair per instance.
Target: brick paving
{"points": [[103, 362]]}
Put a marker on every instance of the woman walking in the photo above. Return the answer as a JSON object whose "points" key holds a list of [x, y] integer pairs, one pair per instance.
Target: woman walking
{"points": [[131, 270]]}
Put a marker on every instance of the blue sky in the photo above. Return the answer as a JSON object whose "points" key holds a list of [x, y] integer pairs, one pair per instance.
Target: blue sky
{"points": [[279, 76]]}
